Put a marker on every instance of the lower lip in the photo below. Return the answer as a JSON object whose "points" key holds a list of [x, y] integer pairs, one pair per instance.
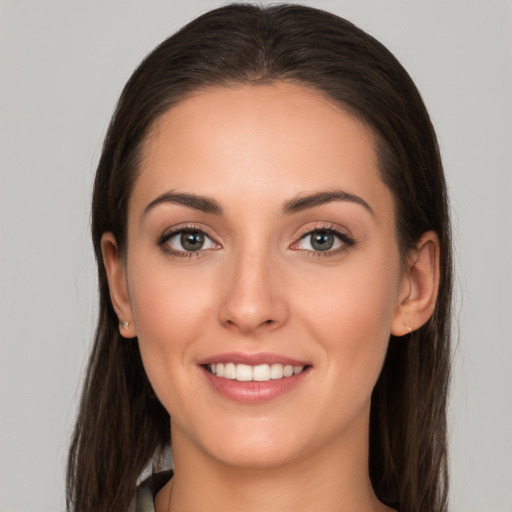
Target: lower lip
{"points": [[253, 392]]}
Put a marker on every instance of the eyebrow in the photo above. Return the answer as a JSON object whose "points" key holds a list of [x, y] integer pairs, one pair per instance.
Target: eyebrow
{"points": [[303, 202], [201, 203]]}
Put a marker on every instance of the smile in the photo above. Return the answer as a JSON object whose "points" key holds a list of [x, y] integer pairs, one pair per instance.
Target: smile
{"points": [[256, 373], [253, 378]]}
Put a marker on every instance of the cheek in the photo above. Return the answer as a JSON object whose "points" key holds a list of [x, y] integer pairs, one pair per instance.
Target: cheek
{"points": [[168, 304], [170, 311], [350, 315]]}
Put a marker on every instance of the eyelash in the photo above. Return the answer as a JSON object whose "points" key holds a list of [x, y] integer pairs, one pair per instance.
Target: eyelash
{"points": [[347, 242], [162, 242]]}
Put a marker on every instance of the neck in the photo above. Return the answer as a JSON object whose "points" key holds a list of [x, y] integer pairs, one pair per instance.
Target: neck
{"points": [[331, 479]]}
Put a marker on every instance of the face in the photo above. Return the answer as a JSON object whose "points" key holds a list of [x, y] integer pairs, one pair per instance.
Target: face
{"points": [[261, 242]]}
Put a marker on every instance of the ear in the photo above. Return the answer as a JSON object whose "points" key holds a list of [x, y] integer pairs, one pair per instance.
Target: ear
{"points": [[419, 287], [116, 275]]}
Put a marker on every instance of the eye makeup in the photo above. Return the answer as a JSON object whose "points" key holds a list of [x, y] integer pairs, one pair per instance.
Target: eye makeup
{"points": [[189, 241]]}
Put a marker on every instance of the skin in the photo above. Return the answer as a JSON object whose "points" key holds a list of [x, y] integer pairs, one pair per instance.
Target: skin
{"points": [[260, 286]]}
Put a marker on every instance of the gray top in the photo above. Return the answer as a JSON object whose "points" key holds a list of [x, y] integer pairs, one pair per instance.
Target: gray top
{"points": [[144, 499]]}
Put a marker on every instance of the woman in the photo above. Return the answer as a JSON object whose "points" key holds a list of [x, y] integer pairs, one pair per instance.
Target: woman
{"points": [[271, 229]]}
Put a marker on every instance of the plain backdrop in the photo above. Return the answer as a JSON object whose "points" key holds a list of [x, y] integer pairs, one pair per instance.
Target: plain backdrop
{"points": [[62, 67]]}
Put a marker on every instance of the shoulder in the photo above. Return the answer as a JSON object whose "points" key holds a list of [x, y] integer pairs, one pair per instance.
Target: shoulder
{"points": [[143, 501]]}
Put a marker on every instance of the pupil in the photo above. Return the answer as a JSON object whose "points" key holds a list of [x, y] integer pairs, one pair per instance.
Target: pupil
{"points": [[322, 241], [192, 240]]}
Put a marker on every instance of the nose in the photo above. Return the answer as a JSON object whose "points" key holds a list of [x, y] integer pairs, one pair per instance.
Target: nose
{"points": [[254, 295]]}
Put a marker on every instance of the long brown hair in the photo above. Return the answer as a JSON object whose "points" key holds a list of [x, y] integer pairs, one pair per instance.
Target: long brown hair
{"points": [[121, 426]]}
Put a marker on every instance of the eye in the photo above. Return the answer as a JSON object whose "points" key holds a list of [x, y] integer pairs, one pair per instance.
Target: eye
{"points": [[184, 242], [324, 240]]}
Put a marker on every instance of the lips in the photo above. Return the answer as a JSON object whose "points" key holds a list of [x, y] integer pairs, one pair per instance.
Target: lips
{"points": [[253, 378]]}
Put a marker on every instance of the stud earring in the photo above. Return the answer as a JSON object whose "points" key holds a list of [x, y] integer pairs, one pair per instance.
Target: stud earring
{"points": [[124, 325], [409, 328]]}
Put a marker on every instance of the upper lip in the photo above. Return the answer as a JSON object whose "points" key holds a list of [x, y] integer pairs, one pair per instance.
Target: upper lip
{"points": [[252, 359]]}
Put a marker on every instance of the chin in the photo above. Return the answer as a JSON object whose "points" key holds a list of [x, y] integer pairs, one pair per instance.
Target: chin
{"points": [[256, 456], [257, 446]]}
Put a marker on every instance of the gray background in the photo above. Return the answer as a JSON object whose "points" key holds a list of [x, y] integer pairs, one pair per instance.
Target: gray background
{"points": [[62, 66]]}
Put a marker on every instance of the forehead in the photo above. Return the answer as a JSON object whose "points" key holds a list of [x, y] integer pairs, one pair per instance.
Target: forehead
{"points": [[259, 142]]}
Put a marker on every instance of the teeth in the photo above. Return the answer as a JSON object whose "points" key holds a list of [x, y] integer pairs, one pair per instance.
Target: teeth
{"points": [[288, 371], [243, 372], [259, 373], [230, 371], [276, 371]]}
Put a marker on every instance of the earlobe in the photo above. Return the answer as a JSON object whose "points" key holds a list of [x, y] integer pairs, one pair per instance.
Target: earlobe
{"points": [[420, 286], [116, 275]]}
